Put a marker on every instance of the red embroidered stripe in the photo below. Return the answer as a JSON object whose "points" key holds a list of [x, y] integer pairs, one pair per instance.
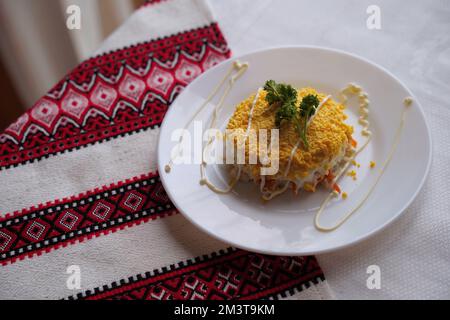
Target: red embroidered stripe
{"points": [[229, 274], [97, 212], [111, 95]]}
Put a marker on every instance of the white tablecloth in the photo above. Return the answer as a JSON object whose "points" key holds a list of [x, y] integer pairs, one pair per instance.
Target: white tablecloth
{"points": [[414, 43]]}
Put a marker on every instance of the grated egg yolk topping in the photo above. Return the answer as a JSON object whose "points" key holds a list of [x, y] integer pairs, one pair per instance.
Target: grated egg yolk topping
{"points": [[327, 134]]}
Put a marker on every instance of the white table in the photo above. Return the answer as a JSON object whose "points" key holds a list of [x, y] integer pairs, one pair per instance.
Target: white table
{"points": [[413, 43]]}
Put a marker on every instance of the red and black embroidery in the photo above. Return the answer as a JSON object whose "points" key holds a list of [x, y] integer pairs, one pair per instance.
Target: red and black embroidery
{"points": [[228, 274], [112, 95], [101, 211]]}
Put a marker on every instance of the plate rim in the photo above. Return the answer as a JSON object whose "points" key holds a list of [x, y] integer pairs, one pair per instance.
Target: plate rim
{"points": [[400, 212]]}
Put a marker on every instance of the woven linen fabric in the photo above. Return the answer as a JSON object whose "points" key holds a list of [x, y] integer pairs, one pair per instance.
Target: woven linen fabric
{"points": [[79, 188]]}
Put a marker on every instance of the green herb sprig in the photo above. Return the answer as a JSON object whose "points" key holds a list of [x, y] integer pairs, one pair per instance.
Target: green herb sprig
{"points": [[284, 96], [308, 108]]}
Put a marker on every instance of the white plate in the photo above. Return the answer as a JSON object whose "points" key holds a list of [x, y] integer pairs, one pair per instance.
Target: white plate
{"points": [[284, 226]]}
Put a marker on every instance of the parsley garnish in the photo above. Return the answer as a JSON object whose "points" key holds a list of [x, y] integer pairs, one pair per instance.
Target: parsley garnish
{"points": [[284, 96], [308, 108]]}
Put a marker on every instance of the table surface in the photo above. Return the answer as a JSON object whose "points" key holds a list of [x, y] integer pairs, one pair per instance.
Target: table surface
{"points": [[414, 253]]}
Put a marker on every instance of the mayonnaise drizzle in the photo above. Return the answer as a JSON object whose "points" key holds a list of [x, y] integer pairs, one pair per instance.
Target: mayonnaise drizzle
{"points": [[318, 109], [204, 178], [363, 116], [271, 195], [236, 66], [250, 115]]}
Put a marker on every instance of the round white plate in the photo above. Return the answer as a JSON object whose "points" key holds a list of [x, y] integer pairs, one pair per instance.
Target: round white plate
{"points": [[284, 226]]}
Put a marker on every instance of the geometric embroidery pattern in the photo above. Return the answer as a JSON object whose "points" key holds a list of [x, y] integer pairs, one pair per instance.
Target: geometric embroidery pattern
{"points": [[50, 226], [111, 95], [228, 274]]}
